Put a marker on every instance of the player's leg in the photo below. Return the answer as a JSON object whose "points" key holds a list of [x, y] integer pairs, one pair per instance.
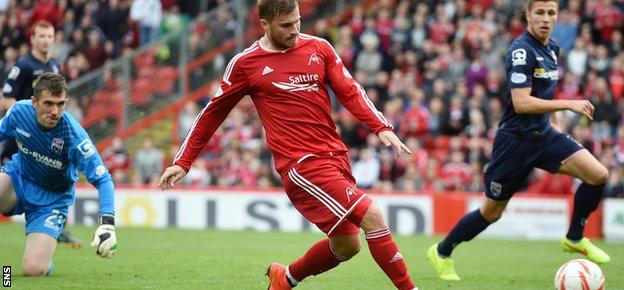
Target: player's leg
{"points": [[472, 224], [322, 190], [38, 254], [39, 246], [384, 250], [506, 174], [310, 188], [8, 198], [43, 227], [584, 166], [468, 227], [323, 256], [564, 155]]}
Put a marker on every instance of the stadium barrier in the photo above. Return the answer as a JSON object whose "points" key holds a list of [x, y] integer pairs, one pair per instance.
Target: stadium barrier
{"points": [[527, 216], [613, 219]]}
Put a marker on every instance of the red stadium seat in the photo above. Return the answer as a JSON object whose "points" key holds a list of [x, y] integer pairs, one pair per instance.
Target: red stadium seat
{"points": [[141, 91], [166, 77]]}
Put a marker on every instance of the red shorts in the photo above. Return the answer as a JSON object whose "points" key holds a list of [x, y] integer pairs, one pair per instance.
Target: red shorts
{"points": [[323, 190]]}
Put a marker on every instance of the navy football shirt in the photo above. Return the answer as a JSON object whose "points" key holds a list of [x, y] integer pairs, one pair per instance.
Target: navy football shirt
{"points": [[21, 79], [529, 63]]}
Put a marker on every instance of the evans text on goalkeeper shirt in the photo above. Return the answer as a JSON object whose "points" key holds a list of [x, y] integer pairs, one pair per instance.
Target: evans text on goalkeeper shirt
{"points": [[51, 158], [529, 63], [289, 91], [21, 79]]}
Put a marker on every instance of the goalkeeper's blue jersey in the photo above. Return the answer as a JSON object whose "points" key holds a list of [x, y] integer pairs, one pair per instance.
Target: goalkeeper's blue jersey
{"points": [[51, 158]]}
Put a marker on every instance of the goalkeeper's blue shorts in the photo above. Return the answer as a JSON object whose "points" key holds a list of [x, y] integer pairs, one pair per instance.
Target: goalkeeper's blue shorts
{"points": [[45, 210], [514, 157]]}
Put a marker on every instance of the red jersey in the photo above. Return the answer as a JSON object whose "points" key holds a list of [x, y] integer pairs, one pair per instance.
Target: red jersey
{"points": [[288, 90]]}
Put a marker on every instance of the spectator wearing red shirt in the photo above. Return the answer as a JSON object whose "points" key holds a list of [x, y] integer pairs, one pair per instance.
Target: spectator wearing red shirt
{"points": [[117, 161], [456, 173], [415, 121], [608, 19], [546, 183], [616, 78], [441, 29], [384, 27], [94, 52]]}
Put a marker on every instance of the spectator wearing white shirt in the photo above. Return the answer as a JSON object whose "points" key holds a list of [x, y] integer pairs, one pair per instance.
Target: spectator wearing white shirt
{"points": [[148, 14], [366, 170]]}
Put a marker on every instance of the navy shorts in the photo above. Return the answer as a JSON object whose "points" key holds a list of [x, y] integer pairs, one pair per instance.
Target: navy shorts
{"points": [[513, 159]]}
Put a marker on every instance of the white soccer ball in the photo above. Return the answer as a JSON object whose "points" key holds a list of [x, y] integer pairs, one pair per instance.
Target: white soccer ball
{"points": [[579, 274]]}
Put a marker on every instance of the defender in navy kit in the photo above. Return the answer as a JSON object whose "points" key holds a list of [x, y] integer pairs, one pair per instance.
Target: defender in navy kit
{"points": [[39, 180], [528, 137]]}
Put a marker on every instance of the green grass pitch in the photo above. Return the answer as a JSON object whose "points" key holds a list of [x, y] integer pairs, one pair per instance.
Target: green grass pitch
{"points": [[211, 259]]}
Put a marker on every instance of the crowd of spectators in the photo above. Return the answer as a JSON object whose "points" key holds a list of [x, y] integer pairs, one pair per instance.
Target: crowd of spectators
{"points": [[436, 70], [90, 33]]}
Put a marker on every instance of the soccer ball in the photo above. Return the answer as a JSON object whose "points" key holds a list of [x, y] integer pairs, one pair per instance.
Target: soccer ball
{"points": [[579, 274]]}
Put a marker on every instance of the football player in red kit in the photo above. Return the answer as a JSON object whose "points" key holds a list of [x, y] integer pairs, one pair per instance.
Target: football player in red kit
{"points": [[286, 73]]}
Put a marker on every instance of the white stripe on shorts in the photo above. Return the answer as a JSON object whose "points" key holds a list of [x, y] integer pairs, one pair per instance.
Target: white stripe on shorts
{"points": [[318, 193], [347, 214]]}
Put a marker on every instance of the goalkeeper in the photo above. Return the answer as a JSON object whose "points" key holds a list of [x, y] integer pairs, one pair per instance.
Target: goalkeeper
{"points": [[39, 180]]}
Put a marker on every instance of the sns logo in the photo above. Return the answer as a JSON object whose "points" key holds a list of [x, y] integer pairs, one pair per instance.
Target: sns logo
{"points": [[6, 276]]}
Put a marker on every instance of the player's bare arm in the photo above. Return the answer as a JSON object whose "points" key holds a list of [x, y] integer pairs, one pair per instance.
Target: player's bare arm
{"points": [[524, 103], [171, 175], [388, 138]]}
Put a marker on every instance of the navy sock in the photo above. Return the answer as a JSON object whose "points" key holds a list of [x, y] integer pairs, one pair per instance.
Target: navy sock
{"points": [[466, 229], [586, 200]]}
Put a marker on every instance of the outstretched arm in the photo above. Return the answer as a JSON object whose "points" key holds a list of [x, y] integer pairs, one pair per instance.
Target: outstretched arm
{"points": [[524, 103], [231, 90], [354, 98], [89, 162]]}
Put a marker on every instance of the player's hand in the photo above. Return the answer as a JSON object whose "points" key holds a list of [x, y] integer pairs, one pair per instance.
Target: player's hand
{"points": [[171, 175], [388, 138], [105, 239], [582, 107]]}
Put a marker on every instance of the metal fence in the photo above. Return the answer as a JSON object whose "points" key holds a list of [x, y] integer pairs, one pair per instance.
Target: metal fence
{"points": [[152, 77]]}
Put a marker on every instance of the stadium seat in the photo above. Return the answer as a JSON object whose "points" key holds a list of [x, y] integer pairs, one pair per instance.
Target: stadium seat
{"points": [[166, 79], [141, 91]]}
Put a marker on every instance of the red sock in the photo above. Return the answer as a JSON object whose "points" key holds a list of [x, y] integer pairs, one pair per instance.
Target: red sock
{"points": [[318, 259], [387, 255]]}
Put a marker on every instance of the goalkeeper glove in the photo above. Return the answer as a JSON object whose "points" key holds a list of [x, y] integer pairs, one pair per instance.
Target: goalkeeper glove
{"points": [[104, 238]]}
